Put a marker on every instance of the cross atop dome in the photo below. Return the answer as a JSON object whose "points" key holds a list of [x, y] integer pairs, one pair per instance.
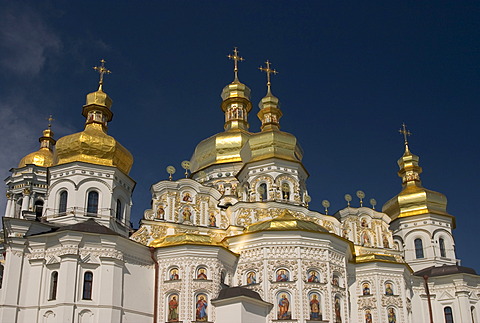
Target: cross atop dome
{"points": [[269, 71], [102, 70], [405, 133], [236, 58]]}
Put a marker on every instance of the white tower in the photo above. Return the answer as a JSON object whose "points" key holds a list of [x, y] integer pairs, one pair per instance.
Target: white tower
{"points": [[421, 226]]}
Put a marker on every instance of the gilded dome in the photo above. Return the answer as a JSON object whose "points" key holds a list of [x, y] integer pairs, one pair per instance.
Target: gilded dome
{"points": [[414, 199], [44, 156], [94, 145], [285, 222]]}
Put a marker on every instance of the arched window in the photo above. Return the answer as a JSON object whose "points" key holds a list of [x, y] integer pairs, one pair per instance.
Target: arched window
{"points": [[38, 209], [119, 210], [441, 244], [92, 202], [418, 248], [472, 311], [53, 286], [87, 285], [62, 204], [448, 314], [262, 189]]}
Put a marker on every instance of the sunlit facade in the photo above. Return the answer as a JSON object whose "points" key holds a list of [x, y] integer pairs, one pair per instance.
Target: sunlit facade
{"points": [[234, 241]]}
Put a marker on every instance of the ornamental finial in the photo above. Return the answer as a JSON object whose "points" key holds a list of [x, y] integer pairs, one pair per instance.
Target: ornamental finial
{"points": [[236, 58], [50, 119], [102, 70], [269, 71], [405, 133]]}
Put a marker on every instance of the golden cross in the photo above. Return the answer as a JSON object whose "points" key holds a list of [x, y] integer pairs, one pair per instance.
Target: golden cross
{"points": [[102, 70], [236, 58], [405, 132], [50, 119], [269, 71]]}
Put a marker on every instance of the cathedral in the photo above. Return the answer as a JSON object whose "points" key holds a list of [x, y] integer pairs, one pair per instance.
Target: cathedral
{"points": [[233, 242]]}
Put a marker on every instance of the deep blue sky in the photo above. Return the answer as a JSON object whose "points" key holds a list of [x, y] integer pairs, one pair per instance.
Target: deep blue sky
{"points": [[350, 74]]}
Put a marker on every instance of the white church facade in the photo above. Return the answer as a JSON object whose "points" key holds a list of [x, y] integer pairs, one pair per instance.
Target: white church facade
{"points": [[234, 242]]}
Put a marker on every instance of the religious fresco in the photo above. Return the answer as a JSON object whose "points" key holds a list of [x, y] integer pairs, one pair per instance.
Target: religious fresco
{"points": [[212, 220], [366, 289], [313, 276], [282, 275], [187, 197], [391, 315], [187, 214], [335, 280], [251, 277], [201, 304], [368, 316], [160, 214], [388, 289], [315, 306], [283, 302], [173, 274], [337, 310], [201, 273], [173, 308]]}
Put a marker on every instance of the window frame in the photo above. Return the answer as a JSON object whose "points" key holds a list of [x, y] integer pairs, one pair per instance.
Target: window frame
{"points": [[87, 286]]}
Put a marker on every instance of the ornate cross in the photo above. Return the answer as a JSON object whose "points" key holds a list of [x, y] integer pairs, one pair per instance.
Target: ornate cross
{"points": [[405, 132], [50, 119], [236, 58], [269, 71], [102, 70]]}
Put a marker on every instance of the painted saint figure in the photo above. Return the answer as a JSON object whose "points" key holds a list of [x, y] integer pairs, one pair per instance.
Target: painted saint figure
{"points": [[368, 316], [312, 277], [201, 308], [315, 313], [212, 220], [187, 214], [174, 274], [392, 318], [201, 274], [388, 289], [338, 310], [335, 281], [251, 278], [282, 275], [173, 309], [386, 244], [160, 213], [283, 306], [366, 289], [187, 197]]}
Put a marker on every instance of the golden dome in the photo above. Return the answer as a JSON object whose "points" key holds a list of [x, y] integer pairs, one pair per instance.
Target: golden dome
{"points": [[44, 156], [414, 199], [272, 144], [285, 222], [93, 145], [225, 147]]}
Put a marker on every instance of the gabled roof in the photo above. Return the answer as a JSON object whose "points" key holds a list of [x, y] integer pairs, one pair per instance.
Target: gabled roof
{"points": [[89, 226], [444, 271]]}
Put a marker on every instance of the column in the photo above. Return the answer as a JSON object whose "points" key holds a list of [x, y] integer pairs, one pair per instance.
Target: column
{"points": [[9, 204], [26, 199], [11, 283], [108, 289], [464, 306]]}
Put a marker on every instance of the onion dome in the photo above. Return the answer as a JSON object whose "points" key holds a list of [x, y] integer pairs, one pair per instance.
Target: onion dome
{"points": [[271, 142], [414, 199], [44, 156], [186, 239], [93, 145], [285, 222], [225, 147]]}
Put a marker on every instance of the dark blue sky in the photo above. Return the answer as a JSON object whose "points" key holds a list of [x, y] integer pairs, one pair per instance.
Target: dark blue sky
{"points": [[350, 74]]}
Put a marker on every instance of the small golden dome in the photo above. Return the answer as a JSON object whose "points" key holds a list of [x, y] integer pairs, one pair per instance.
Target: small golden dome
{"points": [[44, 156], [285, 222], [221, 148], [93, 146], [414, 199], [272, 144]]}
